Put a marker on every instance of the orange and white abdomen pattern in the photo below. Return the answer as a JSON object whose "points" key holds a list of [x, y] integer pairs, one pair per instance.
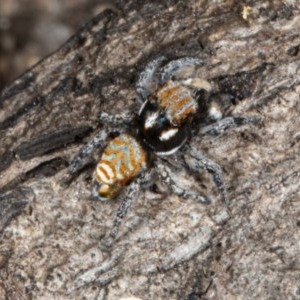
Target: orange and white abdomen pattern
{"points": [[122, 160], [177, 100]]}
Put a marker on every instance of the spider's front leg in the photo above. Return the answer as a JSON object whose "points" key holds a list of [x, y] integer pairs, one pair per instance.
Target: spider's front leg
{"points": [[218, 128], [196, 161], [171, 180], [146, 77], [124, 119], [170, 69]]}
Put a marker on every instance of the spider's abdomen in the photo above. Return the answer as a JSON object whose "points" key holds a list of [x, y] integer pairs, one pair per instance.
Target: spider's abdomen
{"points": [[177, 100], [122, 160]]}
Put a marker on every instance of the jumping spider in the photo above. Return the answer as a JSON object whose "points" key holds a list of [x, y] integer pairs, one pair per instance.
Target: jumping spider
{"points": [[168, 107]]}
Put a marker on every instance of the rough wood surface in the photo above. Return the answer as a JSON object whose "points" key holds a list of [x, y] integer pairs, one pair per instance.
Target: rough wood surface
{"points": [[51, 237]]}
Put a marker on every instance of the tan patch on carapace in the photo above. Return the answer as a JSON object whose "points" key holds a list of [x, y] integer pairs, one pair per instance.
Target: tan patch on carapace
{"points": [[177, 100]]}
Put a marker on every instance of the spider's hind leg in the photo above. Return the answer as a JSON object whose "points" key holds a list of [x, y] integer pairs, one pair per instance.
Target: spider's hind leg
{"points": [[84, 156], [129, 194]]}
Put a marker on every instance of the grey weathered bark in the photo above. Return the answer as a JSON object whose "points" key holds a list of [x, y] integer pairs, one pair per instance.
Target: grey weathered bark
{"points": [[51, 242]]}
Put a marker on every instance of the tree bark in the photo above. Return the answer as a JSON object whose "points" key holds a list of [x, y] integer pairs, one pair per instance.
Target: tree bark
{"points": [[171, 248]]}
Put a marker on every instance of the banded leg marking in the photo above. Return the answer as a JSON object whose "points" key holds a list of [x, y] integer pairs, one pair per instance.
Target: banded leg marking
{"points": [[169, 70], [145, 77], [166, 176], [197, 161]]}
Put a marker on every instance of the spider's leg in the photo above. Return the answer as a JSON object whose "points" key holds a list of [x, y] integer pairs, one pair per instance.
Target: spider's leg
{"points": [[85, 154], [198, 84], [197, 161], [124, 118], [169, 70], [130, 194], [145, 77], [218, 128], [169, 178]]}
